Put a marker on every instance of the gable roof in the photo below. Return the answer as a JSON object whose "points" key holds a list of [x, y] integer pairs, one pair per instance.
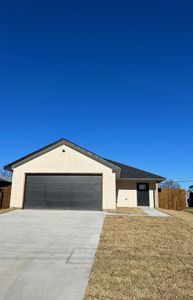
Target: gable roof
{"points": [[128, 172], [124, 171], [56, 144]]}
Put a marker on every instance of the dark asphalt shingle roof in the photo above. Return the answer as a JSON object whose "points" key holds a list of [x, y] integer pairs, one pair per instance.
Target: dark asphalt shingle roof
{"points": [[131, 172]]}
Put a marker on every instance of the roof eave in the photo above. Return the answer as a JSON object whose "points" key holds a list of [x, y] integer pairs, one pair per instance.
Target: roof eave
{"points": [[159, 179]]}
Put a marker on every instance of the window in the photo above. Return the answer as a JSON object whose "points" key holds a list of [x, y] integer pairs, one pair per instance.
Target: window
{"points": [[142, 186]]}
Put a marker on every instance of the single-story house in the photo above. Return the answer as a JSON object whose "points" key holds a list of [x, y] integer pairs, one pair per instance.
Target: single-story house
{"points": [[64, 175]]}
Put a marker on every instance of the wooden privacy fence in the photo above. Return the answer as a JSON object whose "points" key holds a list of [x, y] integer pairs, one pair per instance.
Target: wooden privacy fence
{"points": [[5, 194], [172, 199]]}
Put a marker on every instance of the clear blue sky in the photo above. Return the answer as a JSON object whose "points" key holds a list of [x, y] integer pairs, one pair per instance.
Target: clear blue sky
{"points": [[113, 76]]}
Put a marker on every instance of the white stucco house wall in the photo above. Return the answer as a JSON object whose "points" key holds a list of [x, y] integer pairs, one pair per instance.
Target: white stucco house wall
{"points": [[64, 175]]}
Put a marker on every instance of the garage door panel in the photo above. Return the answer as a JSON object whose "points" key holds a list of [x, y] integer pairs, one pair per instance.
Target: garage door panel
{"points": [[63, 192]]}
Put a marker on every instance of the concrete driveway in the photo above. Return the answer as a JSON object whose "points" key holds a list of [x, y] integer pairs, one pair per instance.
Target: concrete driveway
{"points": [[47, 254]]}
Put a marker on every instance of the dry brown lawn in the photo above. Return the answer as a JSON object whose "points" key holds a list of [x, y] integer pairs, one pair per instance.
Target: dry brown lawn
{"points": [[144, 258], [128, 210]]}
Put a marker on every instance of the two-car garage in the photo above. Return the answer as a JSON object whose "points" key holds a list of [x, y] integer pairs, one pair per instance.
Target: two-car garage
{"points": [[63, 191]]}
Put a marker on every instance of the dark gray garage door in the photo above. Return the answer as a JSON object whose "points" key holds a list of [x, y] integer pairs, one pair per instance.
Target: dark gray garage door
{"points": [[63, 192]]}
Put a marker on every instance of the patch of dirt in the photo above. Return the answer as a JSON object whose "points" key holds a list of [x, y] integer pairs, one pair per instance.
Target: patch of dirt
{"points": [[128, 210], [5, 210]]}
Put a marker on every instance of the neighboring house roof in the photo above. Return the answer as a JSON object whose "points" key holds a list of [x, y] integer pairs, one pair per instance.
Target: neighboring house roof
{"points": [[125, 172], [128, 172], [5, 179]]}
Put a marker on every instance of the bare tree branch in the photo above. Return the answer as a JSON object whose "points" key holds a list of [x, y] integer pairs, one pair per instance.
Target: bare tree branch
{"points": [[5, 173], [170, 184]]}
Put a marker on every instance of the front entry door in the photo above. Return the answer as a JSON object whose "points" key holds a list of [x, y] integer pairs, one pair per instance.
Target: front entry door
{"points": [[142, 194]]}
